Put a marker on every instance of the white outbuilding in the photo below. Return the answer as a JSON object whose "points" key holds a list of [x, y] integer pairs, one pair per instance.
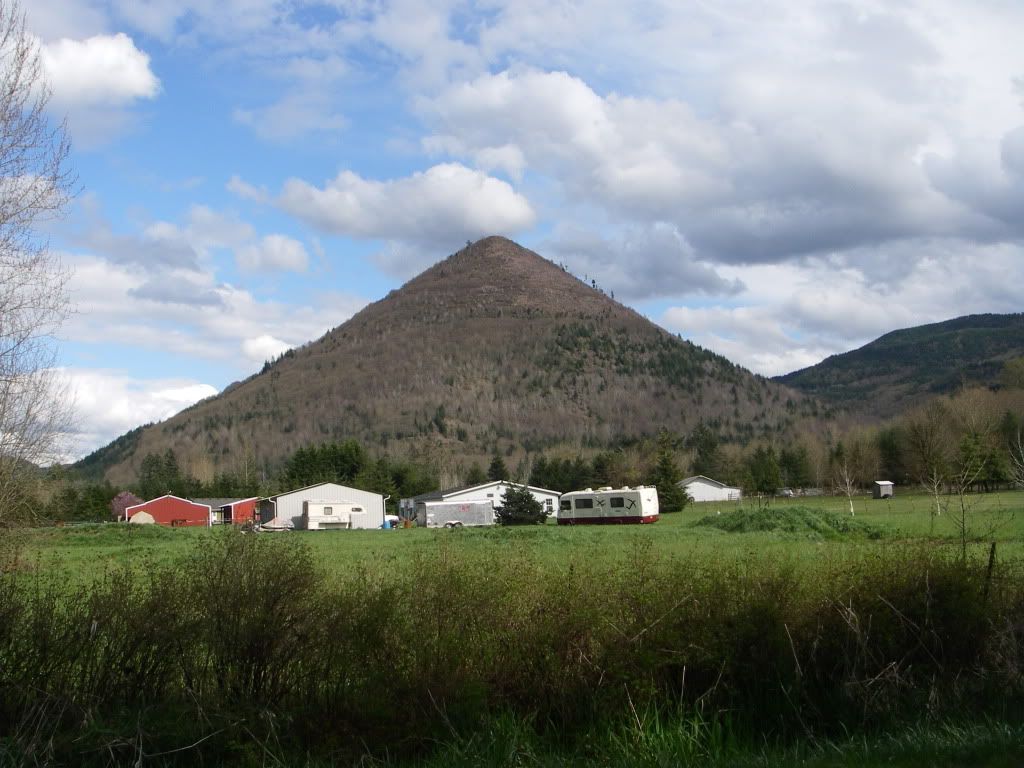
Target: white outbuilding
{"points": [[343, 507], [882, 489], [417, 507], [703, 488]]}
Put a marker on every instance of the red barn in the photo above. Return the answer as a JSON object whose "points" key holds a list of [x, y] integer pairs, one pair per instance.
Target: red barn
{"points": [[173, 511]]}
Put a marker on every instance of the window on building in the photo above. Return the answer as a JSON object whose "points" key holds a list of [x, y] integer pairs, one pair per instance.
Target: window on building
{"points": [[584, 503], [618, 501], [357, 509], [328, 510], [548, 504]]}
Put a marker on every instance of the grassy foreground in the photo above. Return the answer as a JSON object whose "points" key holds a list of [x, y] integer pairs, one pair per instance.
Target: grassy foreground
{"points": [[792, 636]]}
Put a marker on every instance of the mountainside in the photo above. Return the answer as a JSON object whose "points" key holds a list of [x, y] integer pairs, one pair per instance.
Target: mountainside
{"points": [[902, 368], [493, 347]]}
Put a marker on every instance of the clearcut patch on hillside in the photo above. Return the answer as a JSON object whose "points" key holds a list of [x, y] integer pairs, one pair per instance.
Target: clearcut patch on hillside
{"points": [[794, 521]]}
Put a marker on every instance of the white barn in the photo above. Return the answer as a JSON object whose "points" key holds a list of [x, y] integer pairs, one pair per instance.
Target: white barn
{"points": [[286, 510], [416, 507], [703, 488]]}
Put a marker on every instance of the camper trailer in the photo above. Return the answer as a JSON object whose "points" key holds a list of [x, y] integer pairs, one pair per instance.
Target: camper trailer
{"points": [[455, 515], [333, 515], [609, 506]]}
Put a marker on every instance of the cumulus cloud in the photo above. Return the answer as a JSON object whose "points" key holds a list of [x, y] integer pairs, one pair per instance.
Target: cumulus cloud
{"points": [[109, 402], [792, 316], [100, 70], [122, 304], [263, 347], [445, 204], [273, 252], [642, 263]]}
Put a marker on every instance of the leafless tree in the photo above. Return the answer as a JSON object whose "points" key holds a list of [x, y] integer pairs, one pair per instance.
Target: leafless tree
{"points": [[35, 185], [844, 480], [1017, 461], [929, 439]]}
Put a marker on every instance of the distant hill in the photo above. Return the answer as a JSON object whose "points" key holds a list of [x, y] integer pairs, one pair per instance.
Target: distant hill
{"points": [[902, 368], [494, 347]]}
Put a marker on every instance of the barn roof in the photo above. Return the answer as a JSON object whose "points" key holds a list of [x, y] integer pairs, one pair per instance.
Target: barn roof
{"points": [[318, 485], [166, 496], [439, 495], [704, 478]]}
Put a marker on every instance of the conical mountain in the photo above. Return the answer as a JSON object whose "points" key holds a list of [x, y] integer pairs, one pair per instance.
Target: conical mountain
{"points": [[494, 347]]}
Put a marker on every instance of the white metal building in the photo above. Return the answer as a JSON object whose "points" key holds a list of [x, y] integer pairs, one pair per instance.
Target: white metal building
{"points": [[882, 489], [287, 510], [703, 488], [492, 492]]}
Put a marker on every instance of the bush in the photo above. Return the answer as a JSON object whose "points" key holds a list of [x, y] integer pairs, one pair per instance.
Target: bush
{"points": [[519, 507]]}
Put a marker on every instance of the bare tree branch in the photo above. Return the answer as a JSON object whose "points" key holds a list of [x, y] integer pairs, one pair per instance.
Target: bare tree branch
{"points": [[35, 185]]}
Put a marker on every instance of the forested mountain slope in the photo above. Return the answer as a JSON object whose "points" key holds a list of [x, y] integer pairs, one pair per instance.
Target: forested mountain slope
{"points": [[493, 348], [905, 367]]}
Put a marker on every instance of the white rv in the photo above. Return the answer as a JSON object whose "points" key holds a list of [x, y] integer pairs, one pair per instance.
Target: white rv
{"points": [[609, 506], [333, 515]]}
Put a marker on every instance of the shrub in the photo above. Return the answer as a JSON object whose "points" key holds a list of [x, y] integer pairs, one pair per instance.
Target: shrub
{"points": [[519, 507]]}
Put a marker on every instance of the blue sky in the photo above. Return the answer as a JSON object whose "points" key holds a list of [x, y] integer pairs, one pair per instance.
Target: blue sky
{"points": [[776, 181]]}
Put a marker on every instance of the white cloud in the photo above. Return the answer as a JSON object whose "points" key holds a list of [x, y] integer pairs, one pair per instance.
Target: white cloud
{"points": [[188, 313], [247, 191], [263, 348], [273, 252], [293, 116], [100, 70], [795, 315], [445, 204], [108, 403]]}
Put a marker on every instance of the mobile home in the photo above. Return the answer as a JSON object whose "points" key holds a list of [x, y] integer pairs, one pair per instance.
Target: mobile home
{"points": [[609, 506]]}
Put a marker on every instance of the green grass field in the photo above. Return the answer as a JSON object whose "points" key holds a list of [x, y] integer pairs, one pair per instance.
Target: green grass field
{"points": [[88, 549], [722, 635]]}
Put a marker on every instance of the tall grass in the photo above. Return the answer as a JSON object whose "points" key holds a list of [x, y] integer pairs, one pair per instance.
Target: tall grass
{"points": [[246, 648]]}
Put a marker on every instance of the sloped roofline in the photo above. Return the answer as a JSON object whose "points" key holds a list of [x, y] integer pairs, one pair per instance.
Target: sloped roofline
{"points": [[435, 495], [167, 496]]}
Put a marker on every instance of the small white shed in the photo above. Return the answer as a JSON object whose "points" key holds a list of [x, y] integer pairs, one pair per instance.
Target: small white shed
{"points": [[703, 488], [883, 489]]}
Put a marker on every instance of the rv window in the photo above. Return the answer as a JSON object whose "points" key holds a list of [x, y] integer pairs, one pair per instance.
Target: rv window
{"points": [[357, 509], [566, 504], [328, 510], [618, 501], [584, 503]]}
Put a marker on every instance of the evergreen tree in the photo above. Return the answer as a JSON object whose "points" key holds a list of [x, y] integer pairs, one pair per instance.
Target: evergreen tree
{"points": [[497, 469], [666, 476], [765, 477], [602, 467], [795, 466], [376, 477], [707, 458], [476, 474], [519, 507]]}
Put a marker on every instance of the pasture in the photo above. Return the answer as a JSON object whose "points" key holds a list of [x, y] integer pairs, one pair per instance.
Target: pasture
{"points": [[86, 550], [722, 635]]}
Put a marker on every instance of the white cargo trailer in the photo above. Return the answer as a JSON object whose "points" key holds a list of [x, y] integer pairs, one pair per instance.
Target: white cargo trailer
{"points": [[446, 514], [609, 506]]}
